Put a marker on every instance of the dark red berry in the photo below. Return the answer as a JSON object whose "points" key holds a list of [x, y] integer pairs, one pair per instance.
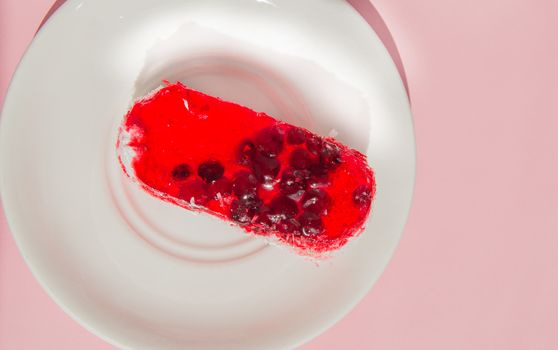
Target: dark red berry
{"points": [[304, 173], [362, 196], [330, 156], [316, 201], [290, 226], [194, 192], [244, 210], [263, 216], [318, 176], [240, 213], [300, 159], [311, 224], [293, 182], [282, 207], [210, 171], [246, 152], [221, 186], [252, 203], [269, 141], [181, 172], [244, 184], [296, 136], [314, 144], [318, 170], [265, 168]]}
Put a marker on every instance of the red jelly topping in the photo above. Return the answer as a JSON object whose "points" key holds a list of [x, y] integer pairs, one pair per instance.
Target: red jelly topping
{"points": [[268, 177]]}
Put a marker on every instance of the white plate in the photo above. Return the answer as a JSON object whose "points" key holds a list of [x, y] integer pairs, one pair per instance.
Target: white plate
{"points": [[142, 273]]}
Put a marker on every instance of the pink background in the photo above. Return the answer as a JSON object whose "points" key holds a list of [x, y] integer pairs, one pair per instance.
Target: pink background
{"points": [[477, 267]]}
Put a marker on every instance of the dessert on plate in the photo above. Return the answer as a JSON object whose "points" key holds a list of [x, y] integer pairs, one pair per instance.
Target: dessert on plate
{"points": [[268, 177]]}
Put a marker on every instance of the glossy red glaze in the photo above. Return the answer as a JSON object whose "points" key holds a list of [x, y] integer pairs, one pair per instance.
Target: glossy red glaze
{"points": [[175, 130]]}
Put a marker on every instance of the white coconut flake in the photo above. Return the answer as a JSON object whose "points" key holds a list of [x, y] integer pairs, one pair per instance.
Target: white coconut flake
{"points": [[333, 133], [126, 152], [220, 198], [186, 104]]}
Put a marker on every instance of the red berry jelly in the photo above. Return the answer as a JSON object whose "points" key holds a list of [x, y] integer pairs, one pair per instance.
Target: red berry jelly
{"points": [[268, 177]]}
